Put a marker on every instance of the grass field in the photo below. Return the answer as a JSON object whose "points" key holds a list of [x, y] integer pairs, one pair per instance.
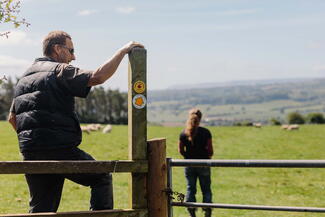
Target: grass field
{"points": [[283, 187], [176, 111]]}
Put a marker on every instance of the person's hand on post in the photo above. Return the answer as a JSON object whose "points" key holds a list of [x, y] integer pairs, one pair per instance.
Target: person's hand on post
{"points": [[106, 70], [128, 47]]}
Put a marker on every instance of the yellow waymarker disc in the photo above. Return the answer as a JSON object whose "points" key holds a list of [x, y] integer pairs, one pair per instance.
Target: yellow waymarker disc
{"points": [[139, 86]]}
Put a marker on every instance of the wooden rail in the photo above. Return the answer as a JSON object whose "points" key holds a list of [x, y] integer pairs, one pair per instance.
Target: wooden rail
{"points": [[56, 167], [102, 213]]}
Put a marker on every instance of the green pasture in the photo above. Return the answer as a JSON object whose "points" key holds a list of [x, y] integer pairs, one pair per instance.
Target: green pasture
{"points": [[283, 187], [174, 111]]}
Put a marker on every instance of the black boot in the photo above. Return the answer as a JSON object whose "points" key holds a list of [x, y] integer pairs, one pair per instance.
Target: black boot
{"points": [[191, 211], [207, 212]]}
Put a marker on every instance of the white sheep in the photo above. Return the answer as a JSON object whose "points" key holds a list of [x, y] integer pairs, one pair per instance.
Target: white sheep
{"points": [[107, 129], [284, 127], [85, 129], [257, 125], [293, 127]]}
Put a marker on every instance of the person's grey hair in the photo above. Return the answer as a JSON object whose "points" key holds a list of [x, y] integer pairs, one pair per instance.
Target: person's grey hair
{"points": [[53, 38]]}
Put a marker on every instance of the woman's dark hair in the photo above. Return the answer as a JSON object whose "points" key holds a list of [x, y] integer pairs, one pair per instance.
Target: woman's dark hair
{"points": [[53, 38]]}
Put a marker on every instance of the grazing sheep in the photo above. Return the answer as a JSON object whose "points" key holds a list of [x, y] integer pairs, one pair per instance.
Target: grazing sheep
{"points": [[107, 129], [91, 127], [290, 127], [293, 127], [94, 127], [257, 125], [99, 126], [284, 127], [85, 129]]}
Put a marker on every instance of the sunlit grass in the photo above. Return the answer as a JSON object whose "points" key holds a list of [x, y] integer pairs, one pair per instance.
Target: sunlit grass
{"points": [[261, 186]]}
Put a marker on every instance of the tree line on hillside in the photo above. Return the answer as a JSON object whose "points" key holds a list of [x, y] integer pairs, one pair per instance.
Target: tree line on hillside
{"points": [[244, 94], [294, 118], [311, 118], [101, 105]]}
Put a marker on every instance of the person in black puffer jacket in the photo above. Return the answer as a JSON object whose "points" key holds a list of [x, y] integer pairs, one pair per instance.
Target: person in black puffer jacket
{"points": [[42, 113]]}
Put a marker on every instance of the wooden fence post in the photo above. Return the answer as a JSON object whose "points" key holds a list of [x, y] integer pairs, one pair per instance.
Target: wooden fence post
{"points": [[157, 178], [137, 124]]}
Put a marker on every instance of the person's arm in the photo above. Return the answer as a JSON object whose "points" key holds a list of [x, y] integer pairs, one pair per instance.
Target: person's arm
{"points": [[105, 71], [181, 148], [209, 148], [12, 120], [12, 116]]}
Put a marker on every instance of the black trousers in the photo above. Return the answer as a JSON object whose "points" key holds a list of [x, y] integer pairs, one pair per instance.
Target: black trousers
{"points": [[46, 189]]}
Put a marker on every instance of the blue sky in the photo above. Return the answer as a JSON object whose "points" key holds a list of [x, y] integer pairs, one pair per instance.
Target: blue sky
{"points": [[188, 42]]}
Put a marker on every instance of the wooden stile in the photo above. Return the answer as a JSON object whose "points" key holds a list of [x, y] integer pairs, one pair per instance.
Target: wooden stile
{"points": [[147, 160], [57, 167], [137, 124], [101, 213], [157, 178]]}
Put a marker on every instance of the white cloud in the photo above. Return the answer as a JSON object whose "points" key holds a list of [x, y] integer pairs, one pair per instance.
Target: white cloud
{"points": [[238, 12], [42, 0], [9, 62], [172, 69], [16, 37], [319, 68], [87, 12], [125, 10], [12, 66], [315, 45]]}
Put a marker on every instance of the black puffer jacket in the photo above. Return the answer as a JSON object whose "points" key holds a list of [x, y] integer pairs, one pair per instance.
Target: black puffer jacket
{"points": [[44, 111]]}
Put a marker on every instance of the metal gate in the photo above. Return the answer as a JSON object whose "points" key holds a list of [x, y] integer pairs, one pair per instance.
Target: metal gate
{"points": [[240, 163]]}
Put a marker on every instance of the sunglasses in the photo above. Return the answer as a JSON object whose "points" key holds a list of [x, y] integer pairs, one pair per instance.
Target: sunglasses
{"points": [[71, 50]]}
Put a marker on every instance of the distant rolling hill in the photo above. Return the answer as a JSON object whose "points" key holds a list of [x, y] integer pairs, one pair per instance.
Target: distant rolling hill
{"points": [[226, 103]]}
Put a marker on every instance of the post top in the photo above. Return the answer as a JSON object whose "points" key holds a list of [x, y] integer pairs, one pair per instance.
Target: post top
{"points": [[137, 49]]}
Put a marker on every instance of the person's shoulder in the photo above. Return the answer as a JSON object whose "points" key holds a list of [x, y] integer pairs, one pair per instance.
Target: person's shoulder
{"points": [[67, 71], [65, 67], [46, 62], [204, 130], [182, 134]]}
